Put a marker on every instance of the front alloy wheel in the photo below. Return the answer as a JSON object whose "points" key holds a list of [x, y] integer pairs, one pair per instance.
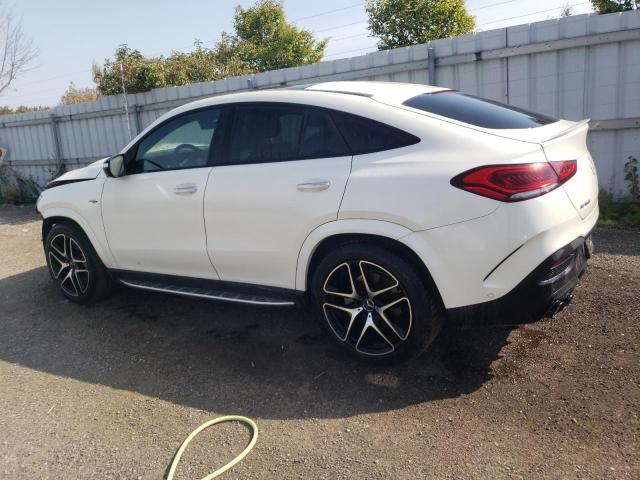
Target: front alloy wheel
{"points": [[74, 265], [68, 265]]}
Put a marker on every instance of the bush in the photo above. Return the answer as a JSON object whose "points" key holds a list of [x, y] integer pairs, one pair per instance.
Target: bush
{"points": [[16, 188]]}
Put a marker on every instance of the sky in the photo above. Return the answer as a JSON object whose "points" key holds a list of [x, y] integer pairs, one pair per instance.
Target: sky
{"points": [[72, 34]]}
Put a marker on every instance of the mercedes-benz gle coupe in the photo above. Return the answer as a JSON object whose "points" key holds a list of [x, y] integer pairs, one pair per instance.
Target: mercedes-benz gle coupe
{"points": [[388, 209]]}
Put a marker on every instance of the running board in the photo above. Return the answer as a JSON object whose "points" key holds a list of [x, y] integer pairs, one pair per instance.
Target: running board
{"points": [[225, 295]]}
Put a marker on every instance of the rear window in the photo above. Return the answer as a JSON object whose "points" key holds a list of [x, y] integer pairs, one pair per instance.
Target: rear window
{"points": [[477, 111], [366, 136]]}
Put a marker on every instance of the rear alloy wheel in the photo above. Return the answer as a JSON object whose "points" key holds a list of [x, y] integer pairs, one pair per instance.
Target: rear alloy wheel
{"points": [[374, 304], [366, 307], [74, 265]]}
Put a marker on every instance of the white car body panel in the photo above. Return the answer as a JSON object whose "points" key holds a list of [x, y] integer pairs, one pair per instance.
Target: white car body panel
{"points": [[257, 218], [411, 184], [460, 257], [250, 223], [151, 228]]}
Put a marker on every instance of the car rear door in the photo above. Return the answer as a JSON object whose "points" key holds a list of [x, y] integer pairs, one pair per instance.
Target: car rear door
{"points": [[283, 174], [153, 215]]}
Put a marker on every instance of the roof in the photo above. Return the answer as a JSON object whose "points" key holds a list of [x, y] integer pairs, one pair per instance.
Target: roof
{"points": [[391, 93], [386, 92]]}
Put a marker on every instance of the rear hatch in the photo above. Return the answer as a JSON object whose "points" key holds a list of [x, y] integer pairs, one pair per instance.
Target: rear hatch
{"points": [[571, 144]]}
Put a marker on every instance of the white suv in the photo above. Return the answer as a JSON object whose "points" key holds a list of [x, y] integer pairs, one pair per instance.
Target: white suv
{"points": [[391, 208]]}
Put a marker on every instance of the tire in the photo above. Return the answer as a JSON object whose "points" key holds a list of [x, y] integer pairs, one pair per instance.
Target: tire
{"points": [[74, 266], [392, 317]]}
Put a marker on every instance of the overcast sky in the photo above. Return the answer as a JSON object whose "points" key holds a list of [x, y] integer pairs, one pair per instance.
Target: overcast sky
{"points": [[72, 34]]}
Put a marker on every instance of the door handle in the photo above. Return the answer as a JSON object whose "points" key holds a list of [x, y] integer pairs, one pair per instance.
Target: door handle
{"points": [[185, 189], [314, 185]]}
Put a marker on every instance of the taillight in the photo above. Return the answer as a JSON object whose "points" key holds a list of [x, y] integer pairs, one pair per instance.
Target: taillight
{"points": [[514, 183]]}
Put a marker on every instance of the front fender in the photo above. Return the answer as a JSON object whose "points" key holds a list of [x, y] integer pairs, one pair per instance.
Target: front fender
{"points": [[79, 202]]}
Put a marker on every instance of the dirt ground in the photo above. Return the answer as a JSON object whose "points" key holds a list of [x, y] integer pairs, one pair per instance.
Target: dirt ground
{"points": [[110, 390]]}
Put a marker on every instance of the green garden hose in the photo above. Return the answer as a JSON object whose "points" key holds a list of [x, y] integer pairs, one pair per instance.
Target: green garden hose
{"points": [[192, 435]]}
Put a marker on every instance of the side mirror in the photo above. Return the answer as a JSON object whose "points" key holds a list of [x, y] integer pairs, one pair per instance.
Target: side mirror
{"points": [[114, 166]]}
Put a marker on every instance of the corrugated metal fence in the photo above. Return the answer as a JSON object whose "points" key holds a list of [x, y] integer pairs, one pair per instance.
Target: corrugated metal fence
{"points": [[584, 66]]}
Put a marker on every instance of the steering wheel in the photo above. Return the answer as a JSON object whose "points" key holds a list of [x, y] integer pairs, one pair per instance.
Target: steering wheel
{"points": [[185, 152]]}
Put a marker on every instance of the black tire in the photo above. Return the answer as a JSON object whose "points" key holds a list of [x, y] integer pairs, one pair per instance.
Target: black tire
{"points": [[74, 266], [396, 338]]}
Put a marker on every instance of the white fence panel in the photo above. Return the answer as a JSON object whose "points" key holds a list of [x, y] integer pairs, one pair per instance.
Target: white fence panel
{"points": [[583, 66]]}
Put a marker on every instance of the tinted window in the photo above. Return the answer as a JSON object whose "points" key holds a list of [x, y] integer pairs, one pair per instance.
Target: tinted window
{"points": [[321, 139], [365, 136], [477, 111], [180, 143], [265, 134]]}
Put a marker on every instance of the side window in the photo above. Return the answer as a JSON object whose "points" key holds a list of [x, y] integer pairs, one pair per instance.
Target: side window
{"points": [[180, 143], [321, 139], [263, 134], [366, 136]]}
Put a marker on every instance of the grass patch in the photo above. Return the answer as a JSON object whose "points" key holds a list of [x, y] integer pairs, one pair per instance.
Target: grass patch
{"points": [[618, 212]]}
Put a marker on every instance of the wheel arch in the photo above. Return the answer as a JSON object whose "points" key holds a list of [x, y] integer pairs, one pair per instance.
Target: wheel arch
{"points": [[49, 222], [69, 217], [329, 236]]}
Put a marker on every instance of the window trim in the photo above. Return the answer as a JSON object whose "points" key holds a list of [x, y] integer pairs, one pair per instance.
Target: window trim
{"points": [[221, 138], [129, 155], [222, 161]]}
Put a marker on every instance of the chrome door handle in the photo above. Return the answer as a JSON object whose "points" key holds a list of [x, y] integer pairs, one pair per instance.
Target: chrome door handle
{"points": [[314, 185], [185, 189]]}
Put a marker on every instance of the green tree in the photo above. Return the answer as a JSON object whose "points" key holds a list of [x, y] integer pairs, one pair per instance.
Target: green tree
{"points": [[400, 23], [612, 6], [141, 74], [204, 64], [262, 40], [79, 95], [266, 41]]}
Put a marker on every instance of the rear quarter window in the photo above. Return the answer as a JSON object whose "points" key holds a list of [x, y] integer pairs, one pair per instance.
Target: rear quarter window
{"points": [[477, 111], [367, 136]]}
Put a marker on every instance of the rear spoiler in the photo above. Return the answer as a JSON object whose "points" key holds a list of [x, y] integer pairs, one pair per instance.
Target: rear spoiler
{"points": [[562, 133]]}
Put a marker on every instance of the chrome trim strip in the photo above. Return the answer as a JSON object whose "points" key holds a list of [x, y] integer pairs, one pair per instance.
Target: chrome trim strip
{"points": [[211, 297]]}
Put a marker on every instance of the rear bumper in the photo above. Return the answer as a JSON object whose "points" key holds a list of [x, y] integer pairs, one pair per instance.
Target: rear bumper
{"points": [[545, 291]]}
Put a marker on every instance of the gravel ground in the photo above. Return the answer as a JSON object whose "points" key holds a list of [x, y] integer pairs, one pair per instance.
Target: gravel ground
{"points": [[110, 390]]}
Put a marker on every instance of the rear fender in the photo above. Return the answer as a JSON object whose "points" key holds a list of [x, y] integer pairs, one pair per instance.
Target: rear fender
{"points": [[352, 226]]}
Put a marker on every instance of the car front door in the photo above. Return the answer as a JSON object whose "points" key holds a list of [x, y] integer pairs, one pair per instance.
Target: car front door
{"points": [[153, 215], [283, 174]]}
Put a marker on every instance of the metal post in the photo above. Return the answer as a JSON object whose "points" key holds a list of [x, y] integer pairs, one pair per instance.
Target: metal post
{"points": [[136, 118], [506, 64], [56, 142], [431, 59]]}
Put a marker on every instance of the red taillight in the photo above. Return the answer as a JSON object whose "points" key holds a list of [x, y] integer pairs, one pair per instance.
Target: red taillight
{"points": [[514, 183]]}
